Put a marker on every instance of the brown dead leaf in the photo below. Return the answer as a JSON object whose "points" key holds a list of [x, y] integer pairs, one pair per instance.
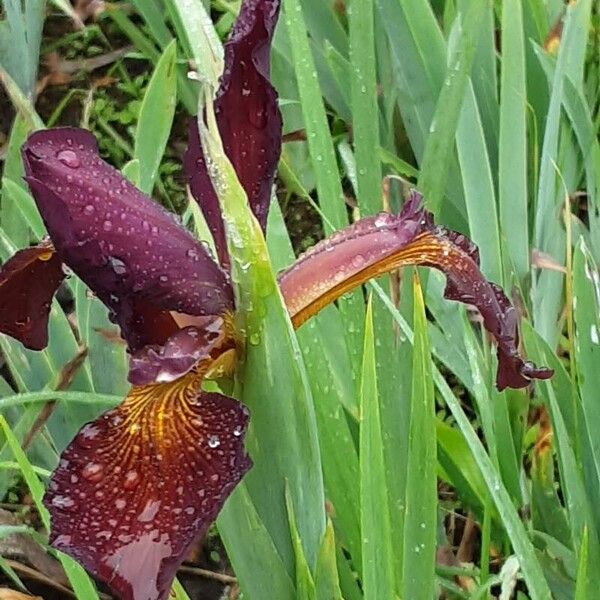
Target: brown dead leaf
{"points": [[543, 442], [86, 9], [63, 381], [110, 335], [8, 594], [295, 136], [552, 41], [26, 549], [60, 72], [541, 260]]}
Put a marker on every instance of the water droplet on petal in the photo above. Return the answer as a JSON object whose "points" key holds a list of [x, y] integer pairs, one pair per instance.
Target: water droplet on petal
{"points": [[214, 441], [93, 472], [63, 502], [358, 261], [149, 511], [69, 158], [89, 210], [117, 265], [88, 435], [132, 478]]}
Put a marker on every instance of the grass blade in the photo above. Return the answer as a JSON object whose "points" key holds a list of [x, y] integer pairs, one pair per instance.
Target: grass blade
{"points": [[437, 155], [156, 118], [365, 113], [530, 566], [377, 550], [322, 153], [512, 168], [195, 27], [420, 522]]}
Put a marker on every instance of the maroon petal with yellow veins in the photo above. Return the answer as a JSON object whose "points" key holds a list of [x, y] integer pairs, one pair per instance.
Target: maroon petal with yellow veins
{"points": [[136, 487], [376, 245], [130, 251], [28, 282], [248, 117]]}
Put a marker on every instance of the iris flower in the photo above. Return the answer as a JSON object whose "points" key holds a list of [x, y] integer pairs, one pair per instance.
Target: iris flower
{"points": [[137, 486]]}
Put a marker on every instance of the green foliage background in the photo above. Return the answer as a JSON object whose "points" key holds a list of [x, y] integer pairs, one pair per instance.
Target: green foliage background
{"points": [[371, 409]]}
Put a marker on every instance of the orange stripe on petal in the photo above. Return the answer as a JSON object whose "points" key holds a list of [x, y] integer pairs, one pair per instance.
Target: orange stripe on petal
{"points": [[139, 484]]}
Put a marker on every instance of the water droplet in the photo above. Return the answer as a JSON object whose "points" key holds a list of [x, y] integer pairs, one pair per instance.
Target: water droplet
{"points": [[107, 225], [149, 511], [117, 265], [62, 541], [63, 502], [358, 261], [88, 435], [214, 441], [238, 430], [193, 254], [69, 159], [93, 472], [132, 478], [120, 503], [89, 210], [254, 339], [163, 278]]}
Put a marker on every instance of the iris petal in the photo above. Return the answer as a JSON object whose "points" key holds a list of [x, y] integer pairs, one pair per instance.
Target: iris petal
{"points": [[376, 245], [28, 281], [136, 487], [130, 251], [248, 117]]}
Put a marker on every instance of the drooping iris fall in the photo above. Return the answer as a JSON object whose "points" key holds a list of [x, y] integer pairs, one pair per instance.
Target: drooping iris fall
{"points": [[138, 485]]}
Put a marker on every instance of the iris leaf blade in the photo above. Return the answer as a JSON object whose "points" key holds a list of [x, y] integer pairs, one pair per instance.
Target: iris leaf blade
{"points": [[327, 365], [282, 437], [261, 573], [531, 568], [322, 153], [512, 169], [156, 117], [436, 161], [195, 28], [377, 549], [365, 112], [420, 522]]}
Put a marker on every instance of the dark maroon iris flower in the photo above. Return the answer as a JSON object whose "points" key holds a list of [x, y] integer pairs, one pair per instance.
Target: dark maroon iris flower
{"points": [[138, 485]]}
